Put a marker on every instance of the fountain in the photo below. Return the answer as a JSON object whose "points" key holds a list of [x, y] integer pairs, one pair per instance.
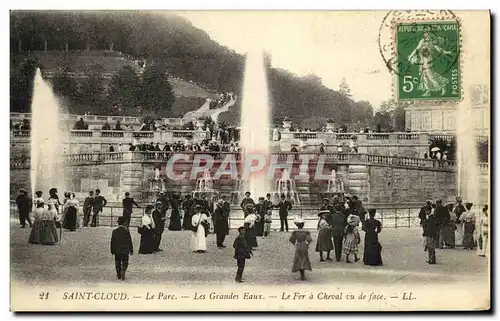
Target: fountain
{"points": [[335, 184], [46, 139], [286, 186], [467, 167], [254, 119], [205, 185], [157, 183]]}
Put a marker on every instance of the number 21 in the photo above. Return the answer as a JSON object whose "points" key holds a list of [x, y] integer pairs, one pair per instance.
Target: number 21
{"points": [[44, 295]]}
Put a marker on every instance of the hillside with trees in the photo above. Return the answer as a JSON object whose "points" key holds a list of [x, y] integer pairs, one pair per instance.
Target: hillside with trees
{"points": [[171, 44]]}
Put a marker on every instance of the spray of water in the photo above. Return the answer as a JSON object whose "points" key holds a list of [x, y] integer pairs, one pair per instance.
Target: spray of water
{"points": [[255, 118], [46, 139], [467, 173]]}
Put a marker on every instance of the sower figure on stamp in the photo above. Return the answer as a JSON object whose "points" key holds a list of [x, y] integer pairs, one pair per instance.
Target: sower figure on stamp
{"points": [[87, 208], [127, 203], [159, 220], [242, 251], [121, 247], [23, 206], [99, 204]]}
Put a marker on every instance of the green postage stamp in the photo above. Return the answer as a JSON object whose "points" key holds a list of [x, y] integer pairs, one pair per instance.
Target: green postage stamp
{"points": [[428, 61]]}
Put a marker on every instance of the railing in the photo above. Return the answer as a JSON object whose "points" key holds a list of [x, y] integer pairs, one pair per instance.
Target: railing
{"points": [[407, 136], [81, 133], [389, 217], [337, 158], [377, 136], [112, 133], [303, 135], [183, 134], [21, 133], [143, 134]]}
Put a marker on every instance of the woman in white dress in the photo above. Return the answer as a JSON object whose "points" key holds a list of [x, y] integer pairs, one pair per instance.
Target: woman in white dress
{"points": [[483, 225], [198, 235]]}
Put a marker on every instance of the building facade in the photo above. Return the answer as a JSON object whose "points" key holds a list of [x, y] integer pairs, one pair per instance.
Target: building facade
{"points": [[443, 118]]}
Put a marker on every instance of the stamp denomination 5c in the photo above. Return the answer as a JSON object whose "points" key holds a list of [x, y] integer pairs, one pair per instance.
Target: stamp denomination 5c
{"points": [[428, 60]]}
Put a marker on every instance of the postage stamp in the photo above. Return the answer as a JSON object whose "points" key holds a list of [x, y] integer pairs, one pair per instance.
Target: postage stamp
{"points": [[422, 49], [429, 55]]}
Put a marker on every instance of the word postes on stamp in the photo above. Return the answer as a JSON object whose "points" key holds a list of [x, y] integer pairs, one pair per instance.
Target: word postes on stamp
{"points": [[428, 60]]}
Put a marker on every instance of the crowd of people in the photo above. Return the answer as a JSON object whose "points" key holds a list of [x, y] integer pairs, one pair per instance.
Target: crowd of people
{"points": [[340, 221], [453, 225]]}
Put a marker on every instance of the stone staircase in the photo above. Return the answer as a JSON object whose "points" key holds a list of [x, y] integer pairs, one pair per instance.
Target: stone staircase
{"points": [[358, 181]]}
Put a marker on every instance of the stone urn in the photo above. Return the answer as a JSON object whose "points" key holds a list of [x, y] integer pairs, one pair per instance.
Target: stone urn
{"points": [[287, 124], [330, 125], [199, 124]]}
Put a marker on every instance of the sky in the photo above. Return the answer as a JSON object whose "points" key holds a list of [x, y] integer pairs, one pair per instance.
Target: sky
{"points": [[331, 45]]}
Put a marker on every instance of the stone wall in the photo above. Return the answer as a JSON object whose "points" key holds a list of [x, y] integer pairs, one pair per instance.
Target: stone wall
{"points": [[389, 185], [385, 185]]}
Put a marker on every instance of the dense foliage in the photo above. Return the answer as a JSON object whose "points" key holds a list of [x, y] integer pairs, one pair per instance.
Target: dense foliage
{"points": [[185, 52]]}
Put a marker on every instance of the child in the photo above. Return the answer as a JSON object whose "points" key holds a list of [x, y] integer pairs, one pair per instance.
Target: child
{"points": [[301, 239], [121, 247], [267, 222], [241, 252], [351, 242]]}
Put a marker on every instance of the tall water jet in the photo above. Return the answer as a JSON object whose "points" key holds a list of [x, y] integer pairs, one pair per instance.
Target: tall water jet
{"points": [[46, 139], [255, 119], [467, 162]]}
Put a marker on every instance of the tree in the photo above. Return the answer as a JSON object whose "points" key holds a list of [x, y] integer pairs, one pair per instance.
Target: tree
{"points": [[155, 92], [21, 90], [396, 111], [344, 88], [92, 93], [123, 90], [65, 86]]}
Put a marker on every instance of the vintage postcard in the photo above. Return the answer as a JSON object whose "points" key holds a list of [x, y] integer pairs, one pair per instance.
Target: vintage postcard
{"points": [[250, 160]]}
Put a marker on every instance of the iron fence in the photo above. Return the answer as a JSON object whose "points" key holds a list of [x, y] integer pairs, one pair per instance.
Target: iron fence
{"points": [[389, 217]]}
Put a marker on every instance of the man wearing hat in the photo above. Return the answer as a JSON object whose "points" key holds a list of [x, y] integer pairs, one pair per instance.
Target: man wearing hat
{"points": [[338, 224], [159, 220], [188, 209], [221, 223], [164, 201], [424, 211], [442, 218], [284, 207], [261, 210], [127, 204], [245, 202], [23, 206]]}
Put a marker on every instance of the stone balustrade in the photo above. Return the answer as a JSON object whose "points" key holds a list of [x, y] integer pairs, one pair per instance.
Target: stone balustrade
{"points": [[336, 158], [314, 138]]}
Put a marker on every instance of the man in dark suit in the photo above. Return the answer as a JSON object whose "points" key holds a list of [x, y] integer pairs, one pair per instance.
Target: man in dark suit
{"points": [[221, 224], [87, 208], [431, 234], [121, 248], [284, 207], [338, 224], [442, 218], [23, 206], [268, 204], [159, 219], [128, 203], [188, 207], [422, 215], [99, 203]]}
